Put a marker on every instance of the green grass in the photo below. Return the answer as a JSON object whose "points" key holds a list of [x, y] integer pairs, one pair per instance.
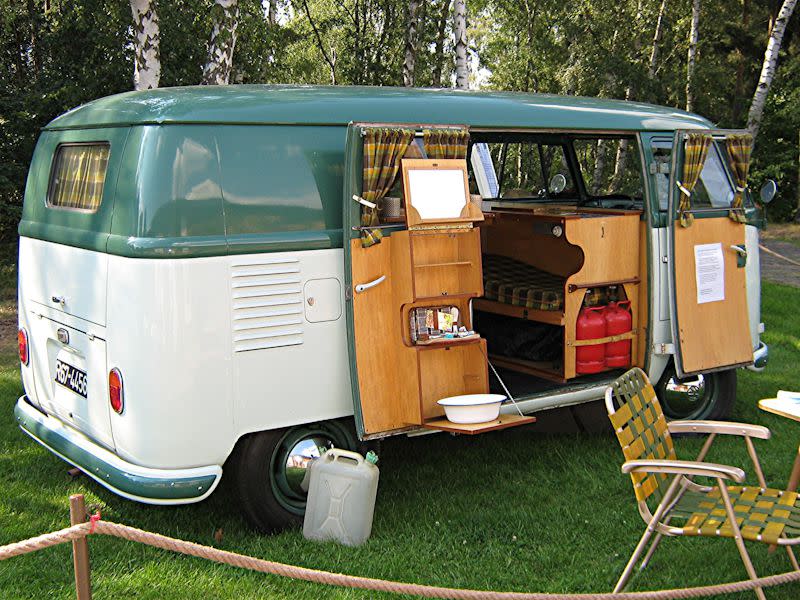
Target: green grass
{"points": [[514, 510]]}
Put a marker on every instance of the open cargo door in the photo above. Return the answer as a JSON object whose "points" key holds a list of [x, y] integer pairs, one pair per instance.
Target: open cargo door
{"points": [[708, 257]]}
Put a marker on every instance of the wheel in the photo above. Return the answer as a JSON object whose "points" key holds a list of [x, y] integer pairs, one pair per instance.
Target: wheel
{"points": [[704, 396], [271, 466]]}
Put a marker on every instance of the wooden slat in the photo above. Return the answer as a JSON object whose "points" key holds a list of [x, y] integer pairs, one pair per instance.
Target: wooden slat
{"points": [[544, 370], [552, 317], [502, 422]]}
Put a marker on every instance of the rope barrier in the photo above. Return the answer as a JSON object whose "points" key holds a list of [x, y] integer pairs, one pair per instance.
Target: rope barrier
{"points": [[781, 256], [352, 581]]}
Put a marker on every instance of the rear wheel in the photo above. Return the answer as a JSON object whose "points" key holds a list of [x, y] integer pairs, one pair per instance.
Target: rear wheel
{"points": [[704, 396], [271, 467]]}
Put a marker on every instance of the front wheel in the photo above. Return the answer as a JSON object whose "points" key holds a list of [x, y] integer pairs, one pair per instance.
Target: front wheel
{"points": [[704, 396], [271, 467]]}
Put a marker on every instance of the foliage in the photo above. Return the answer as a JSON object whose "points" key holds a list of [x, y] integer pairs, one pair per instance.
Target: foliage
{"points": [[55, 54]]}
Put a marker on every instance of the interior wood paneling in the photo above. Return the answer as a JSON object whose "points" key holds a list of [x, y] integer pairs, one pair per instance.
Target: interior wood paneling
{"points": [[446, 263], [639, 346], [451, 371], [713, 334], [387, 369]]}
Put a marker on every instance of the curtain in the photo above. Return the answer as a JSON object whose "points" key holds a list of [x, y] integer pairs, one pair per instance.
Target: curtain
{"points": [[739, 148], [78, 177], [697, 145], [445, 143], [383, 149]]}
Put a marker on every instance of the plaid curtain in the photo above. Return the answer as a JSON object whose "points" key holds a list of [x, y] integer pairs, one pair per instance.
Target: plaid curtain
{"points": [[79, 175], [697, 145], [739, 148], [445, 143], [383, 149]]}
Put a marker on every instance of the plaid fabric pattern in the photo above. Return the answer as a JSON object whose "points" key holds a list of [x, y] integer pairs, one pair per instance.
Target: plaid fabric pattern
{"points": [[445, 143], [739, 148], [762, 514], [642, 430], [694, 158], [79, 175], [513, 282], [383, 149]]}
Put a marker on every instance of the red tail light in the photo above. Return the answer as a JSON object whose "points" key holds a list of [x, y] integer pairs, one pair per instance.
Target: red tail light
{"points": [[22, 340], [115, 393]]}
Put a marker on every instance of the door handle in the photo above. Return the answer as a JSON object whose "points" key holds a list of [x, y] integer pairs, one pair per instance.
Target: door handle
{"points": [[363, 287], [59, 300], [740, 250], [741, 255]]}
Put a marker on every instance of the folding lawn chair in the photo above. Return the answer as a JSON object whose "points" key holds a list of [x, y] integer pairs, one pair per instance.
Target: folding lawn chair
{"points": [[757, 514]]}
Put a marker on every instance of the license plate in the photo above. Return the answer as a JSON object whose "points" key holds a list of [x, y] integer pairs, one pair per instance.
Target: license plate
{"points": [[71, 378]]}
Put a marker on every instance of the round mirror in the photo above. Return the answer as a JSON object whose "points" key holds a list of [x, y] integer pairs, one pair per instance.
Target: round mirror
{"points": [[768, 191], [558, 183]]}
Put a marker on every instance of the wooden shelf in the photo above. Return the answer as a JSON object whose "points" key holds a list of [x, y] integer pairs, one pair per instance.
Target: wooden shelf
{"points": [[458, 263], [552, 317], [438, 342], [502, 422], [545, 370]]}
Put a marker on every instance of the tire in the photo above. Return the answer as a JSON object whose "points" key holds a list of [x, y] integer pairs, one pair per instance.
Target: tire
{"points": [[707, 396], [269, 489]]}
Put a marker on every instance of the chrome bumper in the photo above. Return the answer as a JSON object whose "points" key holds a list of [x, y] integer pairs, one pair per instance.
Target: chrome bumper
{"points": [[760, 357], [143, 484]]}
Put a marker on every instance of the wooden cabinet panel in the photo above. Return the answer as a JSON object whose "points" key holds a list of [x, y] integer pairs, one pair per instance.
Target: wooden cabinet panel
{"points": [[446, 264], [451, 371]]}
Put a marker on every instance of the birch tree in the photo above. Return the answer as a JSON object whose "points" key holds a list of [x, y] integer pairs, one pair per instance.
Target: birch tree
{"points": [[692, 55], [147, 57], [659, 33], [439, 52], [410, 58], [768, 67], [460, 31], [217, 70]]}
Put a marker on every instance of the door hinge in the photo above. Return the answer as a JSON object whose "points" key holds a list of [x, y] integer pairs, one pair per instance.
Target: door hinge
{"points": [[663, 348]]}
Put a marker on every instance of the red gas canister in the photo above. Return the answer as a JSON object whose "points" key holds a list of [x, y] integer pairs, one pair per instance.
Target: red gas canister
{"points": [[590, 325], [618, 320]]}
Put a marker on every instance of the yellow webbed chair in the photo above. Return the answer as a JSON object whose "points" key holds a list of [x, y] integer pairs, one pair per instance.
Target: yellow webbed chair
{"points": [[683, 507]]}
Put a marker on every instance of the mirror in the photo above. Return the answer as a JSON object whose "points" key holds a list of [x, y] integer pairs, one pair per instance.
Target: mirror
{"points": [[558, 183], [437, 190], [768, 191]]}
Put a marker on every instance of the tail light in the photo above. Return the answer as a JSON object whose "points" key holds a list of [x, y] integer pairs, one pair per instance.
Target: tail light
{"points": [[22, 340], [116, 395]]}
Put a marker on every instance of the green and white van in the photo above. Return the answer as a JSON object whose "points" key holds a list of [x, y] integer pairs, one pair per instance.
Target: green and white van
{"points": [[196, 295]]}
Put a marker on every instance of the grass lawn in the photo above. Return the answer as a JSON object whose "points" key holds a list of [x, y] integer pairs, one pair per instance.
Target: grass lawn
{"points": [[514, 510]]}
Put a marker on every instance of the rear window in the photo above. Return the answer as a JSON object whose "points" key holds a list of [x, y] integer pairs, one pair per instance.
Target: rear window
{"points": [[79, 172]]}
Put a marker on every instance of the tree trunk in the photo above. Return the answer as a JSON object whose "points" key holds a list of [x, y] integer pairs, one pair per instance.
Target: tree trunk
{"points": [[691, 58], [659, 33], [272, 11], [599, 167], [460, 32], [330, 58], [439, 52], [217, 70], [411, 43], [768, 68], [147, 60]]}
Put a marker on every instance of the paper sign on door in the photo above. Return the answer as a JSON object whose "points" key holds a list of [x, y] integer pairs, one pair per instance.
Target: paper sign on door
{"points": [[709, 265]]}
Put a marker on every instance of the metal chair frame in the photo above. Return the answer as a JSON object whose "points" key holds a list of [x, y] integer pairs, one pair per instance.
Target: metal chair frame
{"points": [[658, 522]]}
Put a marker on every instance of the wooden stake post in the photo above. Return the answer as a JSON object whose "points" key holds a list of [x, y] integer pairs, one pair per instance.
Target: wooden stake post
{"points": [[80, 549]]}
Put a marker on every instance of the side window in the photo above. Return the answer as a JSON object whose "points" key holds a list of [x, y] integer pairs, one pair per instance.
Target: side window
{"points": [[78, 176], [714, 188], [610, 167]]}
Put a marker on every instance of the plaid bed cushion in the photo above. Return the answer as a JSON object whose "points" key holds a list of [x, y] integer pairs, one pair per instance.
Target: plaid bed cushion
{"points": [[513, 282]]}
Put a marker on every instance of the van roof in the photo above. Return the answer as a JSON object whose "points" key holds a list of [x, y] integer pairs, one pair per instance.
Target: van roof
{"points": [[339, 105]]}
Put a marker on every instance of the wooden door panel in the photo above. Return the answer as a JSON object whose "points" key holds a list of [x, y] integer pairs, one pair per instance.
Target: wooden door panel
{"points": [[713, 334]]}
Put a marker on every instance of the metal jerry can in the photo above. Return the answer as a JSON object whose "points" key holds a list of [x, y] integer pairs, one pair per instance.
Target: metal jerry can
{"points": [[341, 497]]}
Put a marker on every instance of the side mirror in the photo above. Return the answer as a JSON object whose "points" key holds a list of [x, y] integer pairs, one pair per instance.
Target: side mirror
{"points": [[558, 183], [768, 191]]}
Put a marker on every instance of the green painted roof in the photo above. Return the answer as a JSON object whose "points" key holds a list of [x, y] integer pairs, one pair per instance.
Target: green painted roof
{"points": [[339, 105]]}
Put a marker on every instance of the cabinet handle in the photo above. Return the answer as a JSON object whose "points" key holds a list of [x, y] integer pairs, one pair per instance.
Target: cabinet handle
{"points": [[363, 287]]}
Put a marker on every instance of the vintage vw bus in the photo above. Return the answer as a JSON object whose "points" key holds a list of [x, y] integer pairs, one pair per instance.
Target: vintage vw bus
{"points": [[225, 279]]}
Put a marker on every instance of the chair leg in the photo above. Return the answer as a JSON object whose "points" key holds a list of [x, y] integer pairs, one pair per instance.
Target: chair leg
{"points": [[792, 558], [737, 536]]}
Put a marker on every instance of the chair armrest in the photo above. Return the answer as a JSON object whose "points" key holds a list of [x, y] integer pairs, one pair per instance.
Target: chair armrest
{"points": [[684, 467], [721, 427]]}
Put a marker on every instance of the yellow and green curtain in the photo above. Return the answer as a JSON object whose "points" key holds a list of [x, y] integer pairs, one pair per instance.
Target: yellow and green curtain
{"points": [[445, 143], [739, 148], [79, 176], [696, 151], [383, 149]]}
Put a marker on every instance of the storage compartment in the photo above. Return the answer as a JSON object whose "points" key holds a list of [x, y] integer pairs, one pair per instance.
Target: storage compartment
{"points": [[446, 263], [452, 370]]}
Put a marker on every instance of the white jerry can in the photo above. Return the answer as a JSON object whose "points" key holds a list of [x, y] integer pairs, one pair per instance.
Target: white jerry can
{"points": [[341, 497]]}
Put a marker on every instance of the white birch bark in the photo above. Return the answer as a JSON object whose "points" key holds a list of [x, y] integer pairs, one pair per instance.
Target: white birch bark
{"points": [[218, 67], [768, 68], [410, 59], [147, 57], [692, 55], [460, 32], [659, 33]]}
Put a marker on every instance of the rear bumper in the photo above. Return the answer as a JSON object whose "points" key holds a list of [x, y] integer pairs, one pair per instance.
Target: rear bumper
{"points": [[760, 357], [143, 484]]}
